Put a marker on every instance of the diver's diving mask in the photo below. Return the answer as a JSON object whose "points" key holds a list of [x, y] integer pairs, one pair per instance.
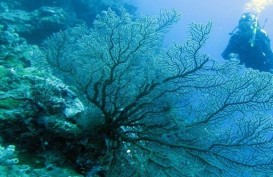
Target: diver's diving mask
{"points": [[247, 22]]}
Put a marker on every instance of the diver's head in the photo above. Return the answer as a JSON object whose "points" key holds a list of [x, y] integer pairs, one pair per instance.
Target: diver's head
{"points": [[247, 22]]}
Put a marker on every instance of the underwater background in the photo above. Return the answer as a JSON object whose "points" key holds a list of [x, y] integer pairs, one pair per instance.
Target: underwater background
{"points": [[225, 16], [106, 88]]}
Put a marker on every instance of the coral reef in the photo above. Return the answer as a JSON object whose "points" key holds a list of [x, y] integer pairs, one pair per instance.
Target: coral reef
{"points": [[35, 109], [163, 113], [8, 156], [36, 21]]}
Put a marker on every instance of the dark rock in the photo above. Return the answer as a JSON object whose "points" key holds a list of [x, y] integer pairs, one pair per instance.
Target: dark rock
{"points": [[37, 25]]}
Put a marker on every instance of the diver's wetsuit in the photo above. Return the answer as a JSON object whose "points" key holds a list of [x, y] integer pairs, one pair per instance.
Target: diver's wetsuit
{"points": [[258, 57]]}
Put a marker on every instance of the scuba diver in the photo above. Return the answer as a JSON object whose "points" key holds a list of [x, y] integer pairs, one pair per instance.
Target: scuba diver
{"points": [[250, 44]]}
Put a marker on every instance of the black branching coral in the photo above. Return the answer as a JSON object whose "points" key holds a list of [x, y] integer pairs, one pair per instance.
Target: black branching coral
{"points": [[163, 113]]}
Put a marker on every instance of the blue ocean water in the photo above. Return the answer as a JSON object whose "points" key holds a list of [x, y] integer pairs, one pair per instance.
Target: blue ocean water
{"points": [[224, 15]]}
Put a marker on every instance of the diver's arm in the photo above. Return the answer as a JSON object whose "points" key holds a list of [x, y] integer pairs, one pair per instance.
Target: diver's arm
{"points": [[267, 47], [231, 47], [265, 42]]}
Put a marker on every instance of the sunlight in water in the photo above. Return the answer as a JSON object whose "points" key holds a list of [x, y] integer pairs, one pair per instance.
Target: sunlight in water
{"points": [[257, 6]]}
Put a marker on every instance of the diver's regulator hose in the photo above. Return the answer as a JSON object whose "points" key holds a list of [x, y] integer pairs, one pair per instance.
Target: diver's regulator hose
{"points": [[252, 41]]}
